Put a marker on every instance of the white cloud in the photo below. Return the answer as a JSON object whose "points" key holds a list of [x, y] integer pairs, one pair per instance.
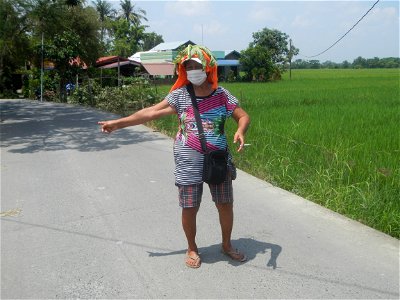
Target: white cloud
{"points": [[215, 28], [260, 12], [312, 25], [210, 31], [187, 8], [302, 21], [386, 14]]}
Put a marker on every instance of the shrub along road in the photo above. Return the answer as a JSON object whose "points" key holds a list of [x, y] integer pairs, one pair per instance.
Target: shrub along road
{"points": [[88, 215]]}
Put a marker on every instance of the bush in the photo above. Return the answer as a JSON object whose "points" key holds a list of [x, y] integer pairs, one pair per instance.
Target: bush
{"points": [[85, 94], [8, 94], [31, 88], [120, 100]]}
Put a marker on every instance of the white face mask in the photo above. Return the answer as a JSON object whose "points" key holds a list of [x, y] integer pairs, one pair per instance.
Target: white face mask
{"points": [[196, 77]]}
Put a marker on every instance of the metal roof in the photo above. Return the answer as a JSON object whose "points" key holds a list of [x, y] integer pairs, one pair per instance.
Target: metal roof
{"points": [[227, 62], [171, 45], [109, 59], [136, 57], [121, 63], [227, 52]]}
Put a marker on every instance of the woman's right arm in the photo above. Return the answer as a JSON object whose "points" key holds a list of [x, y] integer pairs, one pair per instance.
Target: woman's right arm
{"points": [[142, 116]]}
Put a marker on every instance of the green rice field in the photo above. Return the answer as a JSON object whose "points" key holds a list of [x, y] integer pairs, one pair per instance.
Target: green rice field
{"points": [[330, 136]]}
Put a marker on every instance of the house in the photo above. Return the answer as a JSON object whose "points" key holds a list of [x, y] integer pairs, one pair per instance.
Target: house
{"points": [[174, 46], [159, 60], [125, 66], [232, 55], [229, 64]]}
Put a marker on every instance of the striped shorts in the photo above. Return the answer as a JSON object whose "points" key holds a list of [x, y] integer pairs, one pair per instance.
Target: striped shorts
{"points": [[190, 195]]}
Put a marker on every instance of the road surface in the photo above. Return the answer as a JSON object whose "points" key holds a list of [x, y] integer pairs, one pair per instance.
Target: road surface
{"points": [[89, 215]]}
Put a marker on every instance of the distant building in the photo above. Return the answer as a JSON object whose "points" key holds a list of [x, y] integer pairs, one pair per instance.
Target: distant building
{"points": [[175, 46], [159, 60], [124, 65], [230, 64]]}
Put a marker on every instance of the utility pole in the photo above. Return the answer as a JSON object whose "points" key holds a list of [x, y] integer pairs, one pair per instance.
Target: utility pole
{"points": [[119, 70], [41, 71], [290, 59]]}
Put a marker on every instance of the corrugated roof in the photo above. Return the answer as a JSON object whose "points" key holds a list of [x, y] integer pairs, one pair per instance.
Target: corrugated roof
{"points": [[227, 52], [159, 69], [171, 45], [227, 62], [108, 59], [121, 63], [137, 56]]}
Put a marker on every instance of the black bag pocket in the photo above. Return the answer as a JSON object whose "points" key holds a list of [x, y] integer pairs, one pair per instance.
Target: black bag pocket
{"points": [[233, 171], [215, 166]]}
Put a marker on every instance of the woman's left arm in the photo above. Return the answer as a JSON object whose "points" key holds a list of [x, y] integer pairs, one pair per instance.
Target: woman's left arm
{"points": [[243, 121]]}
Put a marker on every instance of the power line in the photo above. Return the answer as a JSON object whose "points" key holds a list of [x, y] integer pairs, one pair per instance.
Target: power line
{"points": [[345, 33]]}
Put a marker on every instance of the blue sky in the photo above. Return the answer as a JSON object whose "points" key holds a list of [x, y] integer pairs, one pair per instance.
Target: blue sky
{"points": [[313, 26]]}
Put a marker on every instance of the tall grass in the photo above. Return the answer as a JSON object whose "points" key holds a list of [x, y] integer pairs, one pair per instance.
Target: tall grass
{"points": [[331, 136]]}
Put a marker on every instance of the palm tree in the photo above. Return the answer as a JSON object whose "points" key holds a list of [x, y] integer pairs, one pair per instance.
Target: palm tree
{"points": [[105, 12], [132, 15], [73, 2]]}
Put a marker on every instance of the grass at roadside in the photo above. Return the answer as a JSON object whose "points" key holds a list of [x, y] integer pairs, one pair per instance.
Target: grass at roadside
{"points": [[330, 136]]}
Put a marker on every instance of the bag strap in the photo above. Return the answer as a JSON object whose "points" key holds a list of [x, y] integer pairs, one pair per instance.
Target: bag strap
{"points": [[197, 116]]}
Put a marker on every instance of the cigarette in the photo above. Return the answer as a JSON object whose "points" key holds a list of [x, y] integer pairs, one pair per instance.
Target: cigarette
{"points": [[245, 145]]}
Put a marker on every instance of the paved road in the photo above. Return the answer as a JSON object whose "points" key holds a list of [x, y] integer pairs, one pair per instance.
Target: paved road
{"points": [[87, 215]]}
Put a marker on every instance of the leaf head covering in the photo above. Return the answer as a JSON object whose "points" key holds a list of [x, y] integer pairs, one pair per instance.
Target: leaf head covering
{"points": [[207, 60]]}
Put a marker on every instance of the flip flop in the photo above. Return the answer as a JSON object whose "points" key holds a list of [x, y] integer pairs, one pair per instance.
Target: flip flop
{"points": [[193, 262], [235, 255]]}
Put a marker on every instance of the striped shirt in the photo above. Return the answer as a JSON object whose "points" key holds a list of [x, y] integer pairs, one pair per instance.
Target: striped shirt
{"points": [[214, 110]]}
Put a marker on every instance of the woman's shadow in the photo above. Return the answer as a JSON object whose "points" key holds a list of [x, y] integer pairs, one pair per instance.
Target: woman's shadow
{"points": [[212, 254]]}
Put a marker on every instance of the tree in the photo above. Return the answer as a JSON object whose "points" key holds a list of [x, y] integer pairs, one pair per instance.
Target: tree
{"points": [[359, 63], [390, 62], [84, 24], [73, 2], [106, 13], [132, 15], [276, 43], [46, 18], [300, 64], [256, 63], [373, 62], [122, 38], [329, 65], [267, 55], [150, 40], [14, 40], [69, 32], [345, 64], [315, 64], [128, 30]]}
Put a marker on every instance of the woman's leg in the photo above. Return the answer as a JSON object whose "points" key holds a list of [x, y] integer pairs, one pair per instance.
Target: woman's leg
{"points": [[189, 227], [192, 258], [189, 200], [225, 211], [226, 220]]}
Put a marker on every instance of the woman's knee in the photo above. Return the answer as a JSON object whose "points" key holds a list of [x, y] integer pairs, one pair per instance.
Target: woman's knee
{"points": [[190, 211], [224, 207]]}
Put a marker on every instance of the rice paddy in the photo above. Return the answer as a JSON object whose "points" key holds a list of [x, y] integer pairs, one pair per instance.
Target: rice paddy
{"points": [[330, 136]]}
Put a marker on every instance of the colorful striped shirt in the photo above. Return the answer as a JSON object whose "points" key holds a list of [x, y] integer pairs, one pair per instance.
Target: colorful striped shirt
{"points": [[214, 110]]}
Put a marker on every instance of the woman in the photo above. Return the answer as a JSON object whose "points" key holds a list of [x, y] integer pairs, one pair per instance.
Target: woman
{"points": [[196, 65]]}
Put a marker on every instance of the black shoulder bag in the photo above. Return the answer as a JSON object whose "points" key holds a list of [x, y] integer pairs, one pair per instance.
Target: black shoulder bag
{"points": [[215, 166]]}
